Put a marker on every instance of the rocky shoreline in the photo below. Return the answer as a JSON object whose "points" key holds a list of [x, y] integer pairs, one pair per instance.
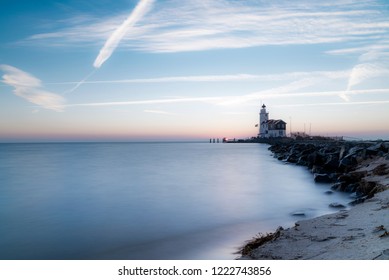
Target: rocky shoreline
{"points": [[340, 163], [359, 168]]}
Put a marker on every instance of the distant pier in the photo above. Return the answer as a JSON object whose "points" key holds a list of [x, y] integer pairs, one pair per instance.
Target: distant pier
{"points": [[214, 140]]}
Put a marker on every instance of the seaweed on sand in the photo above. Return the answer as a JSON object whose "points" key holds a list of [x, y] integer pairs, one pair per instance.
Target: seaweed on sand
{"points": [[258, 241]]}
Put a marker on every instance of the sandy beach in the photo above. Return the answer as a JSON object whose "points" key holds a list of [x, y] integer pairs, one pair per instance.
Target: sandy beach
{"points": [[361, 233]]}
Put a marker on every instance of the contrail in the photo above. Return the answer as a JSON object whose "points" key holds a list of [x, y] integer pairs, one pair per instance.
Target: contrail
{"points": [[148, 102], [81, 82], [113, 41]]}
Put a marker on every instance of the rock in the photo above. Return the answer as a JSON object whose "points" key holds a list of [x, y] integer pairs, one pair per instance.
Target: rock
{"points": [[332, 163], [292, 158], [322, 178], [298, 213], [380, 170], [357, 201], [342, 152], [367, 188], [351, 188], [347, 178], [336, 187], [329, 192], [376, 149], [336, 205], [343, 162], [302, 162], [355, 150], [311, 159], [347, 162]]}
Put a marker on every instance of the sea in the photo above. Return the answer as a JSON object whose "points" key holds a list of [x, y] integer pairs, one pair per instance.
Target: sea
{"points": [[148, 201]]}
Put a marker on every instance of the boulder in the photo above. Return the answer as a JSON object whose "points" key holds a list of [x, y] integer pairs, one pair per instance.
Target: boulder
{"points": [[332, 162], [311, 159], [357, 201], [336, 187], [376, 149], [381, 170], [347, 162], [302, 161], [350, 188], [343, 151], [292, 158], [355, 150], [322, 178], [336, 205], [348, 178], [366, 188], [298, 214]]}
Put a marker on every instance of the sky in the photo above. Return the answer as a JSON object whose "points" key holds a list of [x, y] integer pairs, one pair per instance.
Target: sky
{"points": [[132, 70]]}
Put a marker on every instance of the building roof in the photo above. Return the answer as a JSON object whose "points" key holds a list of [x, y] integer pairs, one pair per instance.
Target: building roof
{"points": [[276, 122]]}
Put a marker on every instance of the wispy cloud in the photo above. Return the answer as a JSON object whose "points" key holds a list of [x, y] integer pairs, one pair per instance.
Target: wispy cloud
{"points": [[323, 93], [113, 41], [159, 112], [289, 88], [177, 26], [147, 102], [370, 51], [233, 100], [365, 71], [372, 63], [290, 76], [373, 102], [30, 88]]}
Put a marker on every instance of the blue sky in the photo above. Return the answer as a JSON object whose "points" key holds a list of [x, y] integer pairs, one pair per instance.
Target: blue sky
{"points": [[191, 70]]}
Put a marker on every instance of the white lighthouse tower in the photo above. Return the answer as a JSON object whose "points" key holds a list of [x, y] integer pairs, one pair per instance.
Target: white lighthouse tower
{"points": [[269, 128], [263, 122]]}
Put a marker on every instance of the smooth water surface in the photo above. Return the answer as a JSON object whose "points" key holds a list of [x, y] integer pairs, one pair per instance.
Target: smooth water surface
{"points": [[146, 200]]}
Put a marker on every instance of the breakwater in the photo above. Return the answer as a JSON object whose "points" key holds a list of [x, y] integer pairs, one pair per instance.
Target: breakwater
{"points": [[359, 233], [352, 166]]}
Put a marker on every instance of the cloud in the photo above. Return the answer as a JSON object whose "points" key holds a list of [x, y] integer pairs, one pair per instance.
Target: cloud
{"points": [[30, 88], [159, 112], [146, 102], [373, 60], [179, 26], [365, 71], [278, 91], [113, 41], [323, 93], [232, 100], [223, 78], [373, 102]]}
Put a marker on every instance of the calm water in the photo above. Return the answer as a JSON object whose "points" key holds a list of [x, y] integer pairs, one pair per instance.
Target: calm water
{"points": [[146, 200]]}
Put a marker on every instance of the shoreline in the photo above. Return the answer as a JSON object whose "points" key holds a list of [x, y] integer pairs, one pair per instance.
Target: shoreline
{"points": [[359, 168]]}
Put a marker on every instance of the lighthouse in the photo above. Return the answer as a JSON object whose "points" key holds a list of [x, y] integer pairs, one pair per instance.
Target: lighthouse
{"points": [[263, 119], [270, 128]]}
